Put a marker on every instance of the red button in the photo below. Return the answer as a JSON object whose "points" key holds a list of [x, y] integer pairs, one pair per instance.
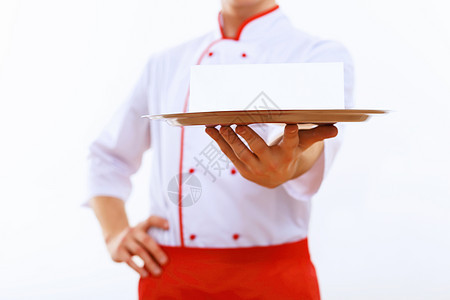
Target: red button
{"points": [[235, 236], [210, 54], [233, 171], [191, 170], [244, 54], [192, 237]]}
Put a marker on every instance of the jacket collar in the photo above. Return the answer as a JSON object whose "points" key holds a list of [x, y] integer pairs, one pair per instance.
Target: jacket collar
{"points": [[256, 26]]}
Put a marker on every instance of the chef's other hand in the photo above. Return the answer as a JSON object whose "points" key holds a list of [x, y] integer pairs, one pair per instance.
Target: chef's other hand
{"points": [[136, 241], [271, 166]]}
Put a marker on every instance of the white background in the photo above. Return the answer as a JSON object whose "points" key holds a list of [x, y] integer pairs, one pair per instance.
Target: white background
{"points": [[380, 227]]}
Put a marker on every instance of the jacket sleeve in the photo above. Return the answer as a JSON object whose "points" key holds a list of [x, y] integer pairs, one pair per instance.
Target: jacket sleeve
{"points": [[117, 152], [305, 186]]}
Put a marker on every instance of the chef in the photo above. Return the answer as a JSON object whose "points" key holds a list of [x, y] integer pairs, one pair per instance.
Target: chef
{"points": [[228, 218]]}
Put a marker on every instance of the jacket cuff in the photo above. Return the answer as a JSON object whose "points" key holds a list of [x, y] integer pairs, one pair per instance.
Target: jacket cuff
{"points": [[305, 186]]}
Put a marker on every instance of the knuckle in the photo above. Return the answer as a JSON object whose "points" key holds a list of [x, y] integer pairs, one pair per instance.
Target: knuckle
{"points": [[245, 159], [129, 231], [232, 139], [234, 160], [290, 141], [223, 147], [224, 132], [245, 156], [250, 138], [146, 239], [158, 253], [140, 252], [272, 186], [259, 148], [116, 258], [247, 175], [154, 268], [123, 240], [272, 166], [151, 219], [258, 172], [154, 248], [149, 262], [288, 156], [226, 138], [142, 224]]}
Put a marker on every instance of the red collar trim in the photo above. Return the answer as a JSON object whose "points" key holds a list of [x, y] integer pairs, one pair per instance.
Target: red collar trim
{"points": [[245, 23]]}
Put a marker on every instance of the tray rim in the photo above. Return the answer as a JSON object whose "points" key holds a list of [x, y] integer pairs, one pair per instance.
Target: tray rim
{"points": [[260, 111]]}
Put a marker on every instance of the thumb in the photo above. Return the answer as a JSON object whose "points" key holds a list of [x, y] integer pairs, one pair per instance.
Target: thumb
{"points": [[155, 221], [311, 136]]}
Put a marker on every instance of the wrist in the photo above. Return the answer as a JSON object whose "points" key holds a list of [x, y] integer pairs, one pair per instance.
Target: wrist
{"points": [[110, 235]]}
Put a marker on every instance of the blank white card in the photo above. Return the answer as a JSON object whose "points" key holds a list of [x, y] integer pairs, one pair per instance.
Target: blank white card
{"points": [[266, 86]]}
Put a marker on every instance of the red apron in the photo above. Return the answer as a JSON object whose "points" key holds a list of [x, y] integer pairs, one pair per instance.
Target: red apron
{"points": [[273, 272]]}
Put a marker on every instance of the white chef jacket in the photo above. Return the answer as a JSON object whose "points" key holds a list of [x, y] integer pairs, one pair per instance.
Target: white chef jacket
{"points": [[231, 211]]}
